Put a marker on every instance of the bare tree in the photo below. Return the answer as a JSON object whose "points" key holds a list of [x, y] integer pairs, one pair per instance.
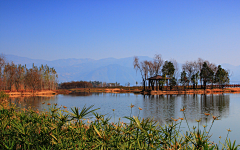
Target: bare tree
{"points": [[2, 64], [2, 61], [158, 63], [151, 68], [190, 68], [53, 77], [142, 67], [33, 78], [10, 75], [199, 63], [19, 80]]}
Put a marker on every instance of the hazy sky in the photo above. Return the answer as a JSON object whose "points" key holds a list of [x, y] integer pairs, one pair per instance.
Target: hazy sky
{"points": [[181, 29]]}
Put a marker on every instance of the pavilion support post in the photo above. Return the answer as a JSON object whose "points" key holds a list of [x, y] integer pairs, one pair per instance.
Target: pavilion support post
{"points": [[167, 84], [159, 85], [153, 83], [149, 84], [156, 86], [144, 85]]}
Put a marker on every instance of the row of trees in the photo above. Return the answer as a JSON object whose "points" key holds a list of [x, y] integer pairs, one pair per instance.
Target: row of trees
{"points": [[203, 72], [86, 84], [77, 84], [192, 72], [19, 77], [104, 84]]}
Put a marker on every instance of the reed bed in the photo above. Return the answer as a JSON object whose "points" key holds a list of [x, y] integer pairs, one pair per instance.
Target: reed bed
{"points": [[58, 128]]}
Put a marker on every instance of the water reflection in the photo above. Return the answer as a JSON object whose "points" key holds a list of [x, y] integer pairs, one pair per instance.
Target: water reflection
{"points": [[34, 102], [81, 94], [166, 107], [162, 107]]}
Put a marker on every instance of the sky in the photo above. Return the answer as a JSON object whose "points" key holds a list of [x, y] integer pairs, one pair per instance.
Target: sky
{"points": [[183, 30]]}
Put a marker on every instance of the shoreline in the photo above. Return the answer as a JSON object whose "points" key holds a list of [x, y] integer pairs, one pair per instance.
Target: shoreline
{"points": [[139, 91], [119, 90], [192, 91], [30, 93]]}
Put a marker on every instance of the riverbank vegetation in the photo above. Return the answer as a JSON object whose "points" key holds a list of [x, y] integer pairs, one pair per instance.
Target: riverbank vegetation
{"points": [[192, 72], [20, 78], [61, 129]]}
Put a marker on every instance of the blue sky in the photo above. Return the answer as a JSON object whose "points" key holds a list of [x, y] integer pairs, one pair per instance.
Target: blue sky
{"points": [[179, 29]]}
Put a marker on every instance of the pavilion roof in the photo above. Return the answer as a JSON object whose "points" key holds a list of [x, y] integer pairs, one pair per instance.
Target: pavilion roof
{"points": [[158, 77]]}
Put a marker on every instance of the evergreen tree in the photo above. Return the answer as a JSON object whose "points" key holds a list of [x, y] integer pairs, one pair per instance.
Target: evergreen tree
{"points": [[222, 76], [206, 74], [168, 69], [184, 79], [173, 83]]}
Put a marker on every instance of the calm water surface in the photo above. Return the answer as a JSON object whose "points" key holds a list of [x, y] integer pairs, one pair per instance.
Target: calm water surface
{"points": [[161, 108]]}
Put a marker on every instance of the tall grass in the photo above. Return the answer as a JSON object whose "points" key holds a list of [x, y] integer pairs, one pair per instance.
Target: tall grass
{"points": [[61, 129]]}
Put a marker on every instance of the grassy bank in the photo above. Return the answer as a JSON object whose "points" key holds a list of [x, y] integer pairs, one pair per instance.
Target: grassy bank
{"points": [[59, 129]]}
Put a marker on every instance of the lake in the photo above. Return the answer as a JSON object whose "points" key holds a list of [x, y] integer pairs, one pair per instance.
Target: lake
{"points": [[160, 107]]}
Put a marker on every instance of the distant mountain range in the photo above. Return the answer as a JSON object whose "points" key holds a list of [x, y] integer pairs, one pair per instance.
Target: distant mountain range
{"points": [[109, 70]]}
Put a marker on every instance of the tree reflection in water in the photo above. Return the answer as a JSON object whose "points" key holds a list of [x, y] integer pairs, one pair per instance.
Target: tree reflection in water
{"points": [[160, 107], [166, 107], [34, 102]]}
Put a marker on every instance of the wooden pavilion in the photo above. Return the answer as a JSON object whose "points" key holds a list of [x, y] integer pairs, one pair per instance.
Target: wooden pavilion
{"points": [[154, 82]]}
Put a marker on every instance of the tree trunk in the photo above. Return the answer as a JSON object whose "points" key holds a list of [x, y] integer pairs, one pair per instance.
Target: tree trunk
{"points": [[205, 85], [201, 82]]}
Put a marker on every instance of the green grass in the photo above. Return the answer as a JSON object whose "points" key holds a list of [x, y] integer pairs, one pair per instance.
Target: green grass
{"points": [[61, 129]]}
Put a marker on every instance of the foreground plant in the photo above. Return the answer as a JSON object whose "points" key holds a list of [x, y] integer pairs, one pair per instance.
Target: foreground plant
{"points": [[60, 129]]}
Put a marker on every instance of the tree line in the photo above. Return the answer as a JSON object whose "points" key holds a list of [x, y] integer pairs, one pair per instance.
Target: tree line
{"points": [[19, 77], [86, 84], [76, 84], [192, 72]]}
